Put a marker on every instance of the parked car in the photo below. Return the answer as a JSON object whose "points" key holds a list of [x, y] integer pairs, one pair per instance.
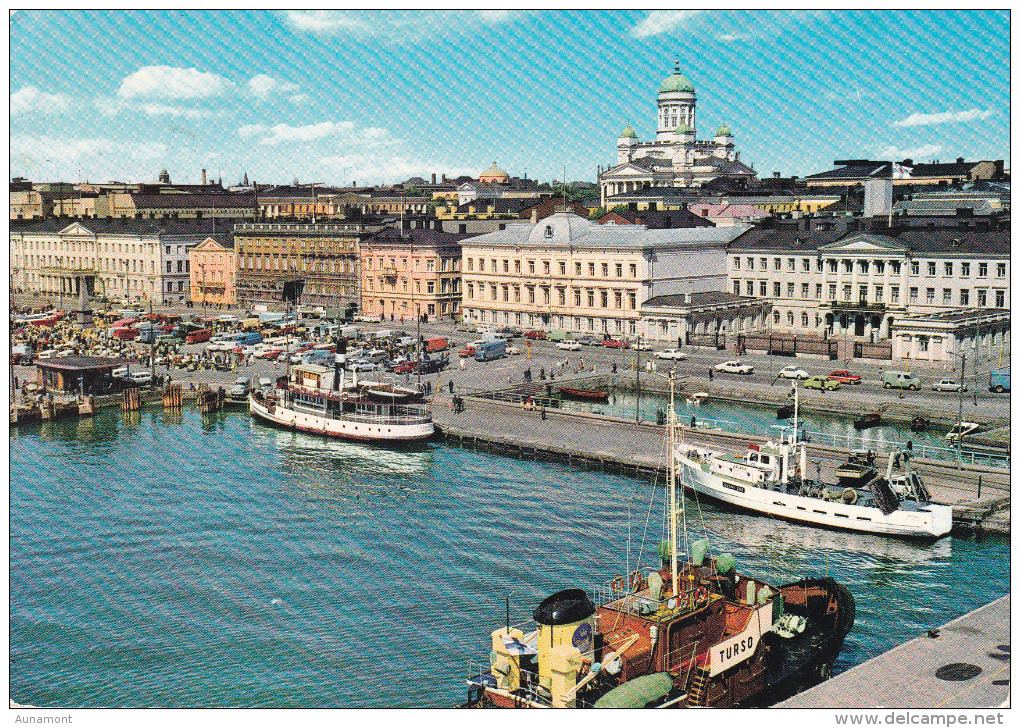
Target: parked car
{"points": [[513, 351], [119, 372], [239, 389], [534, 335], [511, 331], [360, 365], [431, 366], [821, 383], [793, 372], [900, 380], [404, 367], [568, 345], [615, 344], [949, 385], [674, 354], [734, 367], [642, 346], [844, 377], [140, 377], [467, 351], [589, 340]]}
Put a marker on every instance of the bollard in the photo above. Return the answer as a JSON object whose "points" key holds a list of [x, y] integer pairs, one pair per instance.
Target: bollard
{"points": [[979, 485]]}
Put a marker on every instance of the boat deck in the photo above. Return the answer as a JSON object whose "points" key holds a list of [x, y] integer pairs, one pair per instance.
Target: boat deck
{"points": [[913, 675]]}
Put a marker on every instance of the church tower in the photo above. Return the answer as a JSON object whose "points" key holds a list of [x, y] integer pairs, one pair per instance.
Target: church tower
{"points": [[677, 103], [625, 145]]}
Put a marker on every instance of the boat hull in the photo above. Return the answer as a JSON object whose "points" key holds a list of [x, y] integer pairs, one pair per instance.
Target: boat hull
{"points": [[930, 522], [362, 429]]}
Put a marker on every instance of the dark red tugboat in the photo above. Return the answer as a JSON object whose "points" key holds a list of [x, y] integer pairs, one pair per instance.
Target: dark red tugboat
{"points": [[694, 634]]}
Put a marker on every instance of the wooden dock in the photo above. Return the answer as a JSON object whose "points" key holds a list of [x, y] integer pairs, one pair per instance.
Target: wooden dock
{"points": [[962, 664]]}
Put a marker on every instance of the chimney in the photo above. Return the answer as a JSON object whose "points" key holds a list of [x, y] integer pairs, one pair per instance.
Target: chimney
{"points": [[433, 178], [775, 175], [534, 214], [203, 177], [444, 177], [959, 160]]}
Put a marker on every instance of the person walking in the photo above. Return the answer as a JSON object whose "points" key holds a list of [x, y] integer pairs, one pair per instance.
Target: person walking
{"points": [[450, 385], [711, 373], [542, 412]]}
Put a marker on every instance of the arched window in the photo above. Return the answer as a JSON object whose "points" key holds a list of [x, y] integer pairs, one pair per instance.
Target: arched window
{"points": [[548, 231], [804, 320], [789, 317], [775, 316]]}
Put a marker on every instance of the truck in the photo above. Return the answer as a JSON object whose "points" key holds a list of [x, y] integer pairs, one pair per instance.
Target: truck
{"points": [[490, 350], [437, 343], [998, 380]]}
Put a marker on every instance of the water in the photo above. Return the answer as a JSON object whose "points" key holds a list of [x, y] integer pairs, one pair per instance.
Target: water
{"points": [[209, 561]]}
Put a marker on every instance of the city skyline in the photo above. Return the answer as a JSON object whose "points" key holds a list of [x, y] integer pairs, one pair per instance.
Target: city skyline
{"points": [[380, 96]]}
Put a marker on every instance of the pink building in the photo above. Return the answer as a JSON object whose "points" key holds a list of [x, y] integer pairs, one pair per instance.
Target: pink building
{"points": [[726, 213], [213, 273]]}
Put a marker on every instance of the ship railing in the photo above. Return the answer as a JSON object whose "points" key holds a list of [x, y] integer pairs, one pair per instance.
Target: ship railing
{"points": [[883, 446], [396, 418], [480, 674]]}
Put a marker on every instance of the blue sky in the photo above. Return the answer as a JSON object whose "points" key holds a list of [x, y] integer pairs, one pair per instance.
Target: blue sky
{"points": [[379, 96]]}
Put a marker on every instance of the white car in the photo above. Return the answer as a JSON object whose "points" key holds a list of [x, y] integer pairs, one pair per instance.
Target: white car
{"points": [[568, 345], [948, 385], [734, 367], [120, 372], [674, 354], [641, 347], [793, 372], [139, 377], [360, 365], [513, 351]]}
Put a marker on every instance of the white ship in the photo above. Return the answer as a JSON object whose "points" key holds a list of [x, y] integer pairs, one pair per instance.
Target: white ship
{"points": [[771, 480], [313, 398]]}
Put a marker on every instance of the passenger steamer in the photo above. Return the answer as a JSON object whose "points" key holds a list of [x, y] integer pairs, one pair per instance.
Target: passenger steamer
{"points": [[772, 480], [698, 634], [313, 398]]}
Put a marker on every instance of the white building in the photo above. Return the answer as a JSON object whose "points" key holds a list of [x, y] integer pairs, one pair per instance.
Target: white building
{"points": [[568, 273], [675, 158], [120, 259]]}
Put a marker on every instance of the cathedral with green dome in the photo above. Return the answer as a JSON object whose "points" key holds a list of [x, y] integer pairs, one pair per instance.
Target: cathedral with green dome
{"points": [[675, 158]]}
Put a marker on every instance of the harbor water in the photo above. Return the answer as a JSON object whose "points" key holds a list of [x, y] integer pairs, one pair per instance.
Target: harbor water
{"points": [[207, 561]]}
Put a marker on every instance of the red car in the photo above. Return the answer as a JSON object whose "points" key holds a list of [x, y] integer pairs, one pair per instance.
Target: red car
{"points": [[615, 344], [467, 352], [844, 377], [406, 368], [534, 335]]}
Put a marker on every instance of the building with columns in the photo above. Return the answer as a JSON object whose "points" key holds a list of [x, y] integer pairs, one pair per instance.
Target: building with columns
{"points": [[924, 289], [676, 158], [569, 273]]}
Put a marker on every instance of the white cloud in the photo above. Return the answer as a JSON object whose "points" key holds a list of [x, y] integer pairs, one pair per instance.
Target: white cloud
{"points": [[45, 157], [732, 37], [263, 86], [663, 21], [326, 21], [285, 133], [397, 26], [492, 17], [299, 99], [168, 82], [30, 98], [113, 106], [944, 117], [925, 151]]}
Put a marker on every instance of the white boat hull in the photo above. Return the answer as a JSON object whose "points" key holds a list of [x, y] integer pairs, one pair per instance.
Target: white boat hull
{"points": [[930, 521], [366, 429]]}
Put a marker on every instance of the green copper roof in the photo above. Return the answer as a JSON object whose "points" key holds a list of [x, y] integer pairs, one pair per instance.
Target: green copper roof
{"points": [[677, 82], [724, 131], [628, 132]]}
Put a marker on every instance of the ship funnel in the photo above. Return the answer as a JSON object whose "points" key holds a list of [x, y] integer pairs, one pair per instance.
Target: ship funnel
{"points": [[566, 630]]}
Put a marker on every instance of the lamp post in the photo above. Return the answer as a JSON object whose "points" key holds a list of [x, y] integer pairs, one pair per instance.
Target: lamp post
{"points": [[959, 421]]}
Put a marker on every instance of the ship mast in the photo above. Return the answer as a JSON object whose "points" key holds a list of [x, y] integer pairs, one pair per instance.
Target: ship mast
{"points": [[675, 511]]}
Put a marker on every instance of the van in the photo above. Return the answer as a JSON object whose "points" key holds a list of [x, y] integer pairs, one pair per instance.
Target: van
{"points": [[558, 335], [901, 380], [375, 356], [437, 343], [384, 334], [249, 339], [196, 337], [490, 350]]}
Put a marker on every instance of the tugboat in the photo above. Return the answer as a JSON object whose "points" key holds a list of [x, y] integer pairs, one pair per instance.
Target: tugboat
{"points": [[871, 419], [678, 635], [585, 395], [772, 480]]}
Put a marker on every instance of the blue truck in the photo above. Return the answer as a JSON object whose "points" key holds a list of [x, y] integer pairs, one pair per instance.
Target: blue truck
{"points": [[998, 380], [490, 350]]}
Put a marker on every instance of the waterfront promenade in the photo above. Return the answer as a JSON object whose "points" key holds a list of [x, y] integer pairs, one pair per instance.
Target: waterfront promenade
{"points": [[962, 664]]}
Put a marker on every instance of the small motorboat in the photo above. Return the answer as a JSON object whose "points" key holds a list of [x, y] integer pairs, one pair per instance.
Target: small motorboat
{"points": [[697, 398], [588, 395], [919, 423], [857, 470], [784, 412], [960, 429], [872, 419]]}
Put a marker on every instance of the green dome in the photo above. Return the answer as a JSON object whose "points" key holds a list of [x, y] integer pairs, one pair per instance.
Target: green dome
{"points": [[676, 82], [724, 131], [628, 133], [682, 128]]}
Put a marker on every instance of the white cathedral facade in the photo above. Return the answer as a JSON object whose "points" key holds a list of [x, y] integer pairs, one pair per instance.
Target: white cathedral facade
{"points": [[676, 158]]}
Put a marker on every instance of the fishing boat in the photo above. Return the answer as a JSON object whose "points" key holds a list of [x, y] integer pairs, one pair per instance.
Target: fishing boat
{"points": [[960, 429], [588, 395], [919, 423], [871, 419], [772, 480], [784, 412], [313, 398], [676, 634]]}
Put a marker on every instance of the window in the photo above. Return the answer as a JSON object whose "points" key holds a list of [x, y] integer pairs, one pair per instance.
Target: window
{"points": [[763, 289], [929, 295], [577, 269], [517, 294], [531, 267], [915, 268], [948, 268], [894, 294], [789, 318], [804, 320], [180, 266], [931, 267], [545, 267], [895, 265], [545, 295], [848, 266], [605, 270], [964, 297], [591, 298], [832, 291], [982, 270], [804, 290], [633, 270], [169, 267], [168, 250], [506, 266], [750, 264], [562, 296], [1000, 270], [879, 290], [605, 299], [818, 291], [777, 290], [619, 270], [922, 343], [471, 264], [789, 290], [506, 293], [736, 288], [775, 316], [982, 297], [591, 270], [862, 266], [517, 266], [863, 292], [879, 267], [577, 297], [832, 265], [805, 265], [632, 299], [846, 292], [818, 265], [531, 294], [778, 264], [965, 270], [548, 231], [947, 296], [791, 265], [1000, 299], [764, 263]]}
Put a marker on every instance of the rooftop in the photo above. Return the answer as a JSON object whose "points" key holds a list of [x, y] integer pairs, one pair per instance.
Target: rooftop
{"points": [[80, 363]]}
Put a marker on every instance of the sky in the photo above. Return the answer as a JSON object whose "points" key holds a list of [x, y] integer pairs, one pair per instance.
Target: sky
{"points": [[376, 97]]}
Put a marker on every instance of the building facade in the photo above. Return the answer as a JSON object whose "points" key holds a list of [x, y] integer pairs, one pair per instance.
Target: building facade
{"points": [[410, 274], [323, 255], [566, 272], [213, 266], [125, 260], [823, 276], [676, 158]]}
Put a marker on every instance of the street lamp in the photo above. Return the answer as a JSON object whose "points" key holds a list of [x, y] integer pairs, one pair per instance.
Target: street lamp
{"points": [[959, 422]]}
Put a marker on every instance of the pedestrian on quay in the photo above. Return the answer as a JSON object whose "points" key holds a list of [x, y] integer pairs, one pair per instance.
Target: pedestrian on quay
{"points": [[694, 422], [614, 367], [542, 412], [462, 362], [450, 384], [541, 373], [711, 373]]}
